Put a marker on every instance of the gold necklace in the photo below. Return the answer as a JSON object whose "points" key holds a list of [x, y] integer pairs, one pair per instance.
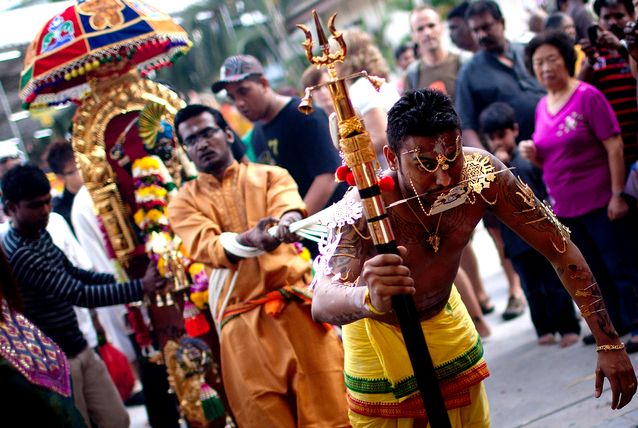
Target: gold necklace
{"points": [[433, 238]]}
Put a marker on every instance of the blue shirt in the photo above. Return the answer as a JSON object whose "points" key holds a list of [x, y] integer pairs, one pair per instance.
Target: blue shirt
{"points": [[484, 80]]}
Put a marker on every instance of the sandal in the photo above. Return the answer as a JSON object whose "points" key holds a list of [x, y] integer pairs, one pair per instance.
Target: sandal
{"points": [[486, 306]]}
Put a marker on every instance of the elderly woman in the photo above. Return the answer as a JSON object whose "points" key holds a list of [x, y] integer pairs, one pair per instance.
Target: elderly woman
{"points": [[577, 144]]}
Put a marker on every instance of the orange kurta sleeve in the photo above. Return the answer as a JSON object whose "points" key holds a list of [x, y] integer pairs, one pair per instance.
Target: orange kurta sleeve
{"points": [[199, 232], [282, 194]]}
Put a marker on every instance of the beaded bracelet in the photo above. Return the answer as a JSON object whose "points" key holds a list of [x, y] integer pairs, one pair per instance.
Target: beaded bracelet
{"points": [[368, 303], [618, 347]]}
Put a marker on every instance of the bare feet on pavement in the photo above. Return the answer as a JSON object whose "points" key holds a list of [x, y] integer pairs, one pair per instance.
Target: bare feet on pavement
{"points": [[546, 339], [568, 339]]}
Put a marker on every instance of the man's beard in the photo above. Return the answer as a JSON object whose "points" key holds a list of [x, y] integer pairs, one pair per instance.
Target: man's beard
{"points": [[490, 44]]}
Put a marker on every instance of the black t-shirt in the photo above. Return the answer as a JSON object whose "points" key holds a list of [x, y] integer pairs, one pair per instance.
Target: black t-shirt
{"points": [[62, 205], [238, 148], [299, 143]]}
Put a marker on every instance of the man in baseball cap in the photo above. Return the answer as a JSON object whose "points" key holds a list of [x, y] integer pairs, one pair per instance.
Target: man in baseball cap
{"points": [[282, 135], [237, 68]]}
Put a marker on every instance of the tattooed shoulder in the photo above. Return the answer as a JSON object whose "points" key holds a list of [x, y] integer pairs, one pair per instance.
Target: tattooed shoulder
{"points": [[350, 252], [533, 212]]}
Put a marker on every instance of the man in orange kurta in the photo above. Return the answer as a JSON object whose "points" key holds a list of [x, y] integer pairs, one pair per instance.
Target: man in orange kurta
{"points": [[280, 368]]}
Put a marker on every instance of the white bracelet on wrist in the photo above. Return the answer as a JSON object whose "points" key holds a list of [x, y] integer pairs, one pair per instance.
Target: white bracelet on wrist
{"points": [[230, 244]]}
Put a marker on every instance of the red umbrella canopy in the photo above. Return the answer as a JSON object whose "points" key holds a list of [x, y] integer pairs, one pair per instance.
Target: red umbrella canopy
{"points": [[97, 39]]}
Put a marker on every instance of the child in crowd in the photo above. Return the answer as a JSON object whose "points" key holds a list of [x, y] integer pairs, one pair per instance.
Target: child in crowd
{"points": [[551, 307]]}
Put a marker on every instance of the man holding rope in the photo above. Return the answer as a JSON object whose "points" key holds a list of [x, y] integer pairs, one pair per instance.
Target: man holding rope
{"points": [[280, 369]]}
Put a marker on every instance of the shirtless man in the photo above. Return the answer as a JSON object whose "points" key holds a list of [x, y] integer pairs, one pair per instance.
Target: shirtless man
{"points": [[355, 284]]}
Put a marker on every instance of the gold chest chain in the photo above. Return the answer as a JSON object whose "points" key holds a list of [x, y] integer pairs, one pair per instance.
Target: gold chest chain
{"points": [[478, 173]]}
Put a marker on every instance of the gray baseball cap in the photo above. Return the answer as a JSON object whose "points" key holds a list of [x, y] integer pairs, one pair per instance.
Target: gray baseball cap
{"points": [[237, 68]]}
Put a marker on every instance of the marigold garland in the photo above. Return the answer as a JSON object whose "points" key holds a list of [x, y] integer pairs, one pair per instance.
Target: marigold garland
{"points": [[153, 186], [199, 289]]}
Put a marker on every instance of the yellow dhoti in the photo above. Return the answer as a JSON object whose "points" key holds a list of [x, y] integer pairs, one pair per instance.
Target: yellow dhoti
{"points": [[382, 390]]}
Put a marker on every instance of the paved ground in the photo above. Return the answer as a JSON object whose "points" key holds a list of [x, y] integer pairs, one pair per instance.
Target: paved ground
{"points": [[534, 386], [540, 386], [530, 386]]}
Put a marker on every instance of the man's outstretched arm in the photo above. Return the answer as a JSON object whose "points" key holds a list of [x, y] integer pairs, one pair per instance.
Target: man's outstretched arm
{"points": [[520, 210]]}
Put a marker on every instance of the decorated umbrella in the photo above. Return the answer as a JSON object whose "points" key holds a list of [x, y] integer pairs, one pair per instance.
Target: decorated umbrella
{"points": [[96, 39]]}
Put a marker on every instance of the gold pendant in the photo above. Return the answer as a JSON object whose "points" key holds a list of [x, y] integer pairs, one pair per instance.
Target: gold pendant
{"points": [[434, 242]]}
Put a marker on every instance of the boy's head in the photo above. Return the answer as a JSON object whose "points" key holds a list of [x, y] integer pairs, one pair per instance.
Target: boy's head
{"points": [[498, 125], [404, 55], [26, 194], [61, 160]]}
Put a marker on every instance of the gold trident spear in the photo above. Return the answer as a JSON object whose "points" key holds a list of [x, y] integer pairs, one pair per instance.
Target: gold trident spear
{"points": [[359, 155]]}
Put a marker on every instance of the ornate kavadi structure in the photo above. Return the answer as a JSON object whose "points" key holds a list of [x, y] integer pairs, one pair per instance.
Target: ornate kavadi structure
{"points": [[95, 49], [97, 54], [359, 155], [74, 46]]}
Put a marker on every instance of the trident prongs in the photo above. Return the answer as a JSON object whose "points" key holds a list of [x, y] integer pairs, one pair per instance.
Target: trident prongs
{"points": [[327, 59], [323, 40]]}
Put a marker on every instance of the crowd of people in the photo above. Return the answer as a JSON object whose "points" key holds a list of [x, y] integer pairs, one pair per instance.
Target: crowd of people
{"points": [[538, 140]]}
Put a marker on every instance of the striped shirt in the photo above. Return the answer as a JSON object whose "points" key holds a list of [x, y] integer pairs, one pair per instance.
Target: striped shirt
{"points": [[612, 76], [50, 286]]}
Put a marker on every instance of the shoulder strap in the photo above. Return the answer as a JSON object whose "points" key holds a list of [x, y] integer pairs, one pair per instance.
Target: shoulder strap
{"points": [[413, 74]]}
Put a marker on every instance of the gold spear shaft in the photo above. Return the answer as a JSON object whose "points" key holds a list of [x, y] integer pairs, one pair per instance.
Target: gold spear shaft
{"points": [[359, 155]]}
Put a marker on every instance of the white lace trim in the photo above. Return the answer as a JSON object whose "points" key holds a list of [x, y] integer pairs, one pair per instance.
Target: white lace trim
{"points": [[342, 213]]}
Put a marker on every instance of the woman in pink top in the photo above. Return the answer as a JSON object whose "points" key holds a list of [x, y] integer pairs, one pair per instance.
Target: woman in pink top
{"points": [[577, 143]]}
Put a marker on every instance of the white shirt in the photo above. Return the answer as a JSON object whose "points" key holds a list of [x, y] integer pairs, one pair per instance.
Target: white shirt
{"points": [[364, 97], [63, 239], [87, 230]]}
